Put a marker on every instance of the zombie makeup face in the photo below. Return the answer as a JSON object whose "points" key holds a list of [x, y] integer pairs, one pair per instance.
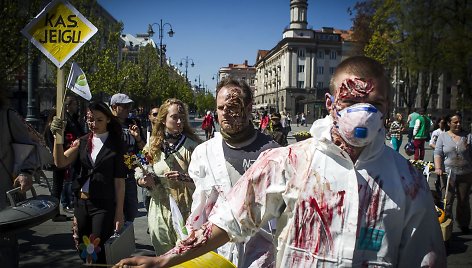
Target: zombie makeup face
{"points": [[352, 89], [357, 109], [232, 114]]}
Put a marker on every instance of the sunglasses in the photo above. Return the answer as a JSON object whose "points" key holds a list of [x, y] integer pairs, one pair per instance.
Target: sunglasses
{"points": [[154, 114]]}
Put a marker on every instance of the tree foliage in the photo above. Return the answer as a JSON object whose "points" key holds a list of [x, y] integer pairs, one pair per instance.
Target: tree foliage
{"points": [[419, 40], [13, 45]]}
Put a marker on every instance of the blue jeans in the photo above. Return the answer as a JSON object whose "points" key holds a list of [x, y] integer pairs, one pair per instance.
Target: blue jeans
{"points": [[396, 143]]}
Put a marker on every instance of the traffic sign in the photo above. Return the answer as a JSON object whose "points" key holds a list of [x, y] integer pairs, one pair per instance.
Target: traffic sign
{"points": [[59, 31]]}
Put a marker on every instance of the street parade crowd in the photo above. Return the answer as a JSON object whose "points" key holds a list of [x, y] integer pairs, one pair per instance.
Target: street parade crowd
{"points": [[341, 198]]}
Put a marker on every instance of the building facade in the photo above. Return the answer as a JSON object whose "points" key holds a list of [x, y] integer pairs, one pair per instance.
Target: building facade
{"points": [[294, 75], [242, 71]]}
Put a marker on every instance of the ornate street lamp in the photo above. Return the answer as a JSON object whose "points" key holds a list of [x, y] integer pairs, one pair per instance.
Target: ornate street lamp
{"points": [[161, 35], [217, 78], [186, 60]]}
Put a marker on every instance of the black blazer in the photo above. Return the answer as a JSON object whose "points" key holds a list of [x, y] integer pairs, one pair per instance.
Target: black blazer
{"points": [[109, 165]]}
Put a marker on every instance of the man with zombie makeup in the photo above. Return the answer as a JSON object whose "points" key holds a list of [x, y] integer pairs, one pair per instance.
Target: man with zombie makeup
{"points": [[342, 198], [219, 163]]}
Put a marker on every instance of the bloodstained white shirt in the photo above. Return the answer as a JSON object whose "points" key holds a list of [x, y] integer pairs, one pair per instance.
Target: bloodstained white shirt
{"points": [[332, 212]]}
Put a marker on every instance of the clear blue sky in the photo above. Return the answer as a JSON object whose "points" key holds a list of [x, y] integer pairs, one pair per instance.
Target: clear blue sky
{"points": [[215, 33]]}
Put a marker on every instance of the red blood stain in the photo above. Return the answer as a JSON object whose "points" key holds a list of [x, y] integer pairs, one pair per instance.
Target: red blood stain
{"points": [[413, 186], [340, 202], [357, 88], [312, 223], [372, 212], [201, 237]]}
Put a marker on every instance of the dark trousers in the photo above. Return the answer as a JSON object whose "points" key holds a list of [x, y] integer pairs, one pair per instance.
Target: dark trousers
{"points": [[9, 252], [95, 217], [462, 191], [410, 133], [58, 176], [130, 206]]}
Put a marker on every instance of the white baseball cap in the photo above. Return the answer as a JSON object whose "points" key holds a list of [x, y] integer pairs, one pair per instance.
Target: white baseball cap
{"points": [[120, 98]]}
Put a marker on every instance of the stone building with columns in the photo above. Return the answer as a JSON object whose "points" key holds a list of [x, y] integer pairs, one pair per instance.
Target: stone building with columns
{"points": [[294, 75]]}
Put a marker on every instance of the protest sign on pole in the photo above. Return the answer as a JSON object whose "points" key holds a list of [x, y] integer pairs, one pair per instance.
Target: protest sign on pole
{"points": [[58, 31]]}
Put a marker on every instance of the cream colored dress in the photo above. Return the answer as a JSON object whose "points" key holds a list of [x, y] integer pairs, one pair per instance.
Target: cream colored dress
{"points": [[163, 236]]}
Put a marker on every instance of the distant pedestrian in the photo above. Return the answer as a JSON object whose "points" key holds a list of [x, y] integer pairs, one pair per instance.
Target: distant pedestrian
{"points": [[276, 130], [264, 121], [411, 124], [297, 119], [303, 120], [421, 134], [441, 127], [152, 117], [396, 129], [289, 119], [208, 125], [133, 137], [73, 131]]}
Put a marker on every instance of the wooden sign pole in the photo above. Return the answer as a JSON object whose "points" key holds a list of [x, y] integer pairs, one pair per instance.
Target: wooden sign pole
{"points": [[60, 100]]}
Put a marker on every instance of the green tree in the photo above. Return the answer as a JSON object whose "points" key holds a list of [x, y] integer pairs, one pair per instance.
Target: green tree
{"points": [[13, 45]]}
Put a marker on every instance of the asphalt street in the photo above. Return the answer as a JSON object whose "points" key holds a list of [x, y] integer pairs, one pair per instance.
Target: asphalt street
{"points": [[50, 244]]}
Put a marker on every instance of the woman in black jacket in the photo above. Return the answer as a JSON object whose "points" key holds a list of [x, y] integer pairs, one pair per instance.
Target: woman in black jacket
{"points": [[99, 188]]}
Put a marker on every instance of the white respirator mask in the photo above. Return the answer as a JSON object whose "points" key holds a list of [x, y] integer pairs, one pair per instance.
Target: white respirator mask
{"points": [[359, 124]]}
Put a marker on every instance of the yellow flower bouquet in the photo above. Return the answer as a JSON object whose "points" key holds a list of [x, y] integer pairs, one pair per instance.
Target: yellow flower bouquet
{"points": [[422, 165], [302, 135]]}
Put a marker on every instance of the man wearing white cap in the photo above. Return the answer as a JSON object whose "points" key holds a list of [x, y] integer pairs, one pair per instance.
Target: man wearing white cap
{"points": [[134, 139]]}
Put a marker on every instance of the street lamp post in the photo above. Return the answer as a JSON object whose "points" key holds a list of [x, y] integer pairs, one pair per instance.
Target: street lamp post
{"points": [[161, 36], [186, 60], [277, 69], [217, 78]]}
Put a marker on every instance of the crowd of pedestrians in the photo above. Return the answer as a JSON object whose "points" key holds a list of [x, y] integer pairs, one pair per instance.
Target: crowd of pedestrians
{"points": [[292, 195], [247, 194]]}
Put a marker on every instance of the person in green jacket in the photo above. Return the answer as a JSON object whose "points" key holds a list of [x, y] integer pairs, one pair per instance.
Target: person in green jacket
{"points": [[421, 133], [411, 124]]}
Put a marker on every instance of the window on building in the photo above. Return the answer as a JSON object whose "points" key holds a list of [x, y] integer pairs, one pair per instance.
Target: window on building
{"points": [[448, 90], [331, 70], [301, 68], [333, 55], [300, 84], [448, 104], [301, 53], [321, 55], [319, 85], [320, 70]]}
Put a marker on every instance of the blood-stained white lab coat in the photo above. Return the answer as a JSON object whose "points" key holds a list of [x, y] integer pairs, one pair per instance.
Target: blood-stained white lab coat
{"points": [[212, 183], [376, 212]]}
